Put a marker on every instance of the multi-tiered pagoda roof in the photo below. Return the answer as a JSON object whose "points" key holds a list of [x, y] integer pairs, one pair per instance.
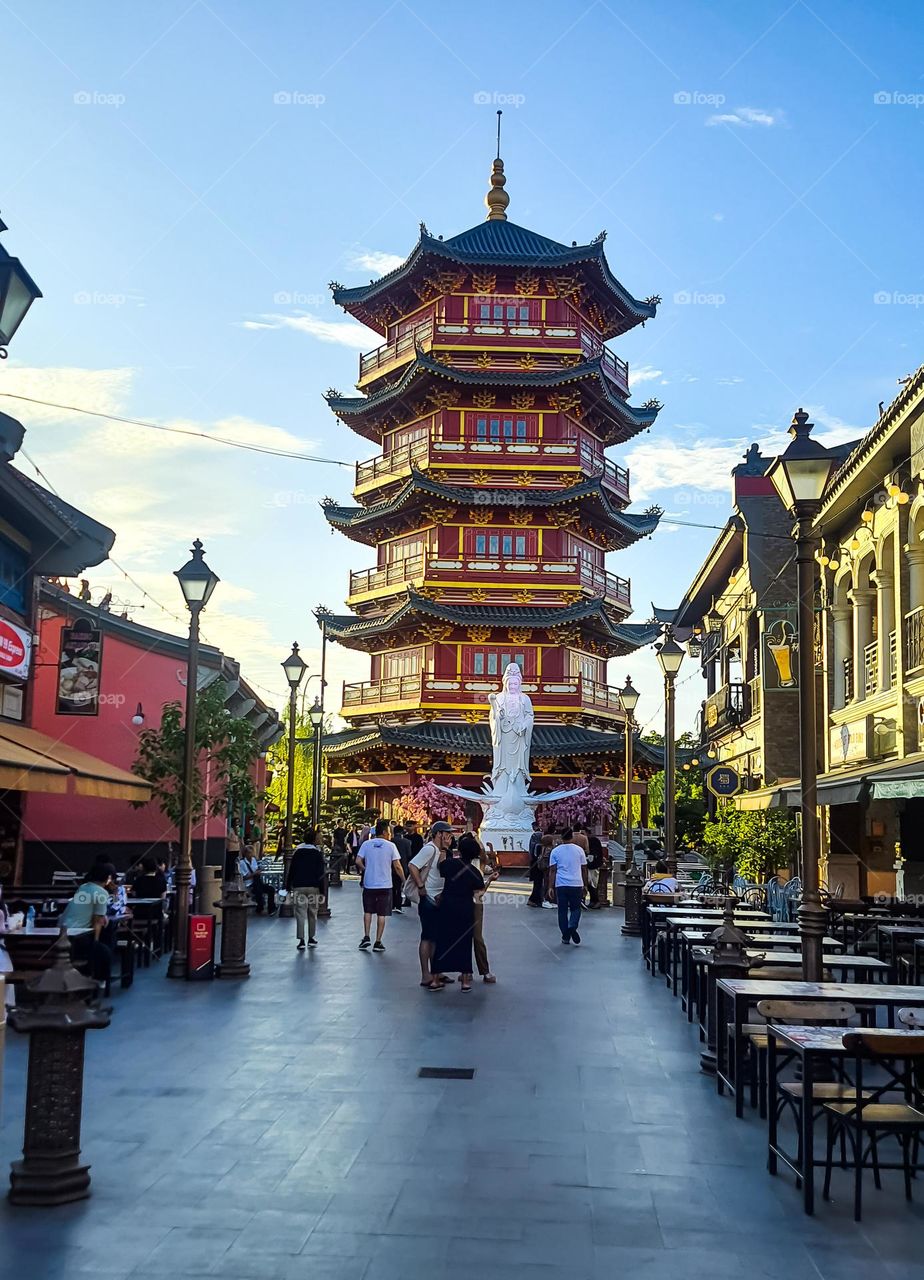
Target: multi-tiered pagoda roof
{"points": [[491, 505]]}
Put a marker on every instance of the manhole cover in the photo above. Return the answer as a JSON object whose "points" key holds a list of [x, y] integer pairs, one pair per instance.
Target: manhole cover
{"points": [[446, 1073]]}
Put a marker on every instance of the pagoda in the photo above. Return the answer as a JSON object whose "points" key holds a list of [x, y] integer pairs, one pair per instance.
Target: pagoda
{"points": [[491, 505]]}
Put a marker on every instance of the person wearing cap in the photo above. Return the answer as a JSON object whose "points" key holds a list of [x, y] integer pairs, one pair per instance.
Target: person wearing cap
{"points": [[424, 870], [89, 910]]}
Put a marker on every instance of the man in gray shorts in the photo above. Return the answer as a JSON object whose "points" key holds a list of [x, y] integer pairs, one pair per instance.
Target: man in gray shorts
{"points": [[378, 860]]}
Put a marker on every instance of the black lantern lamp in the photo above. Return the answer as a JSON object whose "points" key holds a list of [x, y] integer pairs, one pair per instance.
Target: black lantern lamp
{"points": [[294, 667], [196, 579], [18, 291]]}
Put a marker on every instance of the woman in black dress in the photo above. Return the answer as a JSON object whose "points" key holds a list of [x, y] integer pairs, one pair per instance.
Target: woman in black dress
{"points": [[461, 881]]}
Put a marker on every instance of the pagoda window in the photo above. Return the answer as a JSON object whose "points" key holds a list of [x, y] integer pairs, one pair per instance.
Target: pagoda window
{"points": [[413, 322], [511, 428], [494, 662], [403, 549], [506, 311], [405, 663], [507, 544], [408, 435], [588, 668], [582, 551]]}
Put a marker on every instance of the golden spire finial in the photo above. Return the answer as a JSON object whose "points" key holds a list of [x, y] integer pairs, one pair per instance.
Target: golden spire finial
{"points": [[497, 198]]}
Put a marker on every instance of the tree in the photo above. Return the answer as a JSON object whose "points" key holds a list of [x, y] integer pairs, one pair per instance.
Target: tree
{"points": [[423, 802], [277, 762], [225, 744], [586, 809], [689, 794], [756, 844]]}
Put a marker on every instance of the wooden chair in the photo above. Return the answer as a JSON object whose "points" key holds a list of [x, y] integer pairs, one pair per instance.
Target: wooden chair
{"points": [[808, 1013], [866, 1117]]}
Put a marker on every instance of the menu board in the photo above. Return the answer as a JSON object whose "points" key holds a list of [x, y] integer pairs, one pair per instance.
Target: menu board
{"points": [[79, 670]]}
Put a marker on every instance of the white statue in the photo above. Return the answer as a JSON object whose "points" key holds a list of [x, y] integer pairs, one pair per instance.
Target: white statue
{"points": [[507, 802]]}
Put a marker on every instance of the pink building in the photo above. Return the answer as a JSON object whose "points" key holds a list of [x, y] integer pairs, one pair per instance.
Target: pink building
{"points": [[131, 671]]}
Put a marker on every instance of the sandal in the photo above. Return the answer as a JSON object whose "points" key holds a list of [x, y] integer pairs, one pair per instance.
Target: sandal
{"points": [[466, 986], [434, 986]]}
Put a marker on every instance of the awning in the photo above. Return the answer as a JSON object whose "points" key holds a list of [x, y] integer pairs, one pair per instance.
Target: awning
{"points": [[33, 761], [903, 782], [766, 797]]}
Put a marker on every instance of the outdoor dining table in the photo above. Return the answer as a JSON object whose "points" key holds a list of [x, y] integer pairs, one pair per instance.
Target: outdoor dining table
{"points": [[856, 927], [775, 943], [811, 1046], [741, 994], [675, 925], [670, 918], [890, 939]]}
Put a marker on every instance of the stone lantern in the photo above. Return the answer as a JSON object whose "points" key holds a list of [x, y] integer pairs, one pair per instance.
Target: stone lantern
{"points": [[729, 959], [60, 1007]]}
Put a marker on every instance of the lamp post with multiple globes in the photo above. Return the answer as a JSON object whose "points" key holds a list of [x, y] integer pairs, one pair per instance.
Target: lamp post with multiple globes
{"points": [[294, 666]]}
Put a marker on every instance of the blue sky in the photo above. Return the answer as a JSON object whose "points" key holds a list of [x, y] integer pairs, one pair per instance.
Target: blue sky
{"points": [[183, 179]]}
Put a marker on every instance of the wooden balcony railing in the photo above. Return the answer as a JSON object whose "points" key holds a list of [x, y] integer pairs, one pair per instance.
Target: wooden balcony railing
{"points": [[422, 453], [390, 353], [565, 571], [914, 638], [871, 669], [563, 692], [481, 333]]}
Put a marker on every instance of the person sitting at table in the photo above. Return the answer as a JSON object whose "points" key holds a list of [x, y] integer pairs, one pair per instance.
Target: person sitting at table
{"points": [[151, 883], [661, 881], [252, 875], [89, 910]]}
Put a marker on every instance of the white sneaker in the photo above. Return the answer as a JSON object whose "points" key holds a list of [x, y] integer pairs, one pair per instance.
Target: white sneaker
{"points": [[550, 906]]}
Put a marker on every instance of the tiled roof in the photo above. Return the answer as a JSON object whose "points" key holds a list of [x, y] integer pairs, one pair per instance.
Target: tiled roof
{"points": [[633, 525], [633, 417], [633, 635], [447, 735], [502, 243]]}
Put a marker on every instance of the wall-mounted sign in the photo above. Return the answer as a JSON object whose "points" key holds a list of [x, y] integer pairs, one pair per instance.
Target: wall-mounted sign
{"points": [[781, 651], [850, 741], [15, 651], [79, 670], [723, 781]]}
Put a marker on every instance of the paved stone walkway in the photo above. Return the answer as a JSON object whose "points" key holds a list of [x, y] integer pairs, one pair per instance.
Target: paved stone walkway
{"points": [[277, 1128]]}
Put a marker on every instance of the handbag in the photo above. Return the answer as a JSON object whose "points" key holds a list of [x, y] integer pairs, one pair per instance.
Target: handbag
{"points": [[409, 888]]}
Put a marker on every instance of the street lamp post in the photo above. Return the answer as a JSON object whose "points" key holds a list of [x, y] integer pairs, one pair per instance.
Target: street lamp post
{"points": [[800, 476], [197, 582], [632, 923], [294, 667], [316, 716], [670, 656], [628, 697]]}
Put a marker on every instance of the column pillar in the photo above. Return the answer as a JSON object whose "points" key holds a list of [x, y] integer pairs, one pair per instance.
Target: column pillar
{"points": [[842, 617], [885, 614], [914, 554], [862, 599]]}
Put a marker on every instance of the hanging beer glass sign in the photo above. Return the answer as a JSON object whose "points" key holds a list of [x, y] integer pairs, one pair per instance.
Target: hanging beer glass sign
{"points": [[780, 665], [79, 670]]}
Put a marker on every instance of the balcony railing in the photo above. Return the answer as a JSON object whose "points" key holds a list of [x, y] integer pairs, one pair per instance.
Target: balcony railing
{"points": [[390, 353], [871, 669], [564, 571], [914, 638], [479, 334], [552, 694], [893, 658], [420, 454], [727, 708], [848, 680]]}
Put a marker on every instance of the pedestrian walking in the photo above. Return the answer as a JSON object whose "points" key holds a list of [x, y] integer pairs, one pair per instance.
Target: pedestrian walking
{"points": [[549, 841], [415, 839], [305, 884], [378, 862], [461, 881], [353, 842], [594, 868], [424, 874], [567, 885]]}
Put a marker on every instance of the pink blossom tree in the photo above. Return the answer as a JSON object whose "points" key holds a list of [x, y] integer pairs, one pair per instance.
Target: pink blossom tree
{"points": [[586, 809], [423, 802]]}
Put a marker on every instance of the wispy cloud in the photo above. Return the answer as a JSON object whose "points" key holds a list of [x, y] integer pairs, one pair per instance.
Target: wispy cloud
{"points": [[346, 333], [375, 260], [747, 117], [644, 373]]}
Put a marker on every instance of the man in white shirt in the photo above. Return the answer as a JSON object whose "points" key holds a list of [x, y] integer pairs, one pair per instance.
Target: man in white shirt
{"points": [[378, 860], [424, 869], [567, 884]]}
